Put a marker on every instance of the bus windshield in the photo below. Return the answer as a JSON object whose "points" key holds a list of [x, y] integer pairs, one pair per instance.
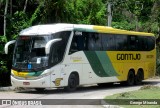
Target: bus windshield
{"points": [[30, 52]]}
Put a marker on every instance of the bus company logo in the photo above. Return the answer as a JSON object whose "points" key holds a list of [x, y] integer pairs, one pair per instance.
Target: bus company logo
{"points": [[76, 59], [128, 56]]}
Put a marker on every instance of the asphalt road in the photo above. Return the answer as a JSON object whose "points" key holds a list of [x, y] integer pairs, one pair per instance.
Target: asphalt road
{"points": [[90, 93]]}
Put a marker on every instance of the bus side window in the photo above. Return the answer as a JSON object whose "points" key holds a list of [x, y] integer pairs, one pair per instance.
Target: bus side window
{"points": [[108, 42], [151, 43], [77, 43], [57, 53], [133, 42], [121, 42], [94, 42], [142, 44], [91, 43], [53, 54]]}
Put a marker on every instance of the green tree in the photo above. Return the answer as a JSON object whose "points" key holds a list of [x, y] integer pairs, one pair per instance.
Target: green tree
{"points": [[74, 11]]}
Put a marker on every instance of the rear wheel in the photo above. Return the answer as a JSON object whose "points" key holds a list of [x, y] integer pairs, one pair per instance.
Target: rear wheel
{"points": [[139, 77], [130, 78], [72, 83]]}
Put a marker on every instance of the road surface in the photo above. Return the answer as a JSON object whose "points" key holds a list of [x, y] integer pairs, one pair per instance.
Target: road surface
{"points": [[90, 93]]}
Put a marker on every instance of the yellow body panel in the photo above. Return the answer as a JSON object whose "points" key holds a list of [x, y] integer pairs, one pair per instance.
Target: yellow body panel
{"points": [[146, 62]]}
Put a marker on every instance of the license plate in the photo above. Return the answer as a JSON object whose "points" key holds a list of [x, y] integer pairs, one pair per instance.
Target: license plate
{"points": [[26, 83]]}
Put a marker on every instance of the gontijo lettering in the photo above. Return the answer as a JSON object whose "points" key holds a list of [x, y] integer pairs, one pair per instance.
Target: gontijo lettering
{"points": [[128, 56]]}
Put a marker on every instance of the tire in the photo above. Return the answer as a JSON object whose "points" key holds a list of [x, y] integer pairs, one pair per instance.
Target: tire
{"points": [[139, 77], [40, 89], [72, 83], [130, 78]]}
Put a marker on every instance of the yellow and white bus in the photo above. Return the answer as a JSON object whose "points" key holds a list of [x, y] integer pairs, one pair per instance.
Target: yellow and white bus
{"points": [[71, 55]]}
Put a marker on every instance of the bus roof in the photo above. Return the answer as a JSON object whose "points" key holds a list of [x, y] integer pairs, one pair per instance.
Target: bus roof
{"points": [[119, 31], [52, 28]]}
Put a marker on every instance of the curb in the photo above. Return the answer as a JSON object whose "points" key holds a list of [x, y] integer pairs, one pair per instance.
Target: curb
{"points": [[10, 88]]}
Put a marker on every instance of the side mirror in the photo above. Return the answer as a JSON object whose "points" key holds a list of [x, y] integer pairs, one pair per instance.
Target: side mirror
{"points": [[48, 45], [7, 45]]}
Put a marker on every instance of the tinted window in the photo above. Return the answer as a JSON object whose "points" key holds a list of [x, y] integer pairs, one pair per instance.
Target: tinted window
{"points": [[108, 43], [56, 53], [94, 42], [79, 42], [58, 48], [89, 41], [151, 43], [85, 41], [132, 43], [142, 44], [121, 42]]}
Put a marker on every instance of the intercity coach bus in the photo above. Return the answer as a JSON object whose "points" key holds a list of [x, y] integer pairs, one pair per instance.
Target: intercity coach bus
{"points": [[72, 55]]}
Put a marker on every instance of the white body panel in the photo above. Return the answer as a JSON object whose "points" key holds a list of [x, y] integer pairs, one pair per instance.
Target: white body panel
{"points": [[76, 62], [38, 83]]}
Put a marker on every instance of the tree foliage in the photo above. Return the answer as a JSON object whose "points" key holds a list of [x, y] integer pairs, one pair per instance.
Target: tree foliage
{"points": [[140, 15], [24, 13]]}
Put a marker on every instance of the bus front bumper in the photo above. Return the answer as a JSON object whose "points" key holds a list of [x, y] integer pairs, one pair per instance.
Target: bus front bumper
{"points": [[43, 82]]}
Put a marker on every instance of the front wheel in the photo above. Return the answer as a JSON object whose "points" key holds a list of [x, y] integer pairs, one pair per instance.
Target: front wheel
{"points": [[72, 83]]}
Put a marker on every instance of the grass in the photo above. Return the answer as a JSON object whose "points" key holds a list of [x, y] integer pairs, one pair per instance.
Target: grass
{"points": [[137, 99]]}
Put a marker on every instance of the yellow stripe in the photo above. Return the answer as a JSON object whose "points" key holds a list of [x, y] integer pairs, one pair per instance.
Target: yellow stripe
{"points": [[20, 74], [104, 29]]}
